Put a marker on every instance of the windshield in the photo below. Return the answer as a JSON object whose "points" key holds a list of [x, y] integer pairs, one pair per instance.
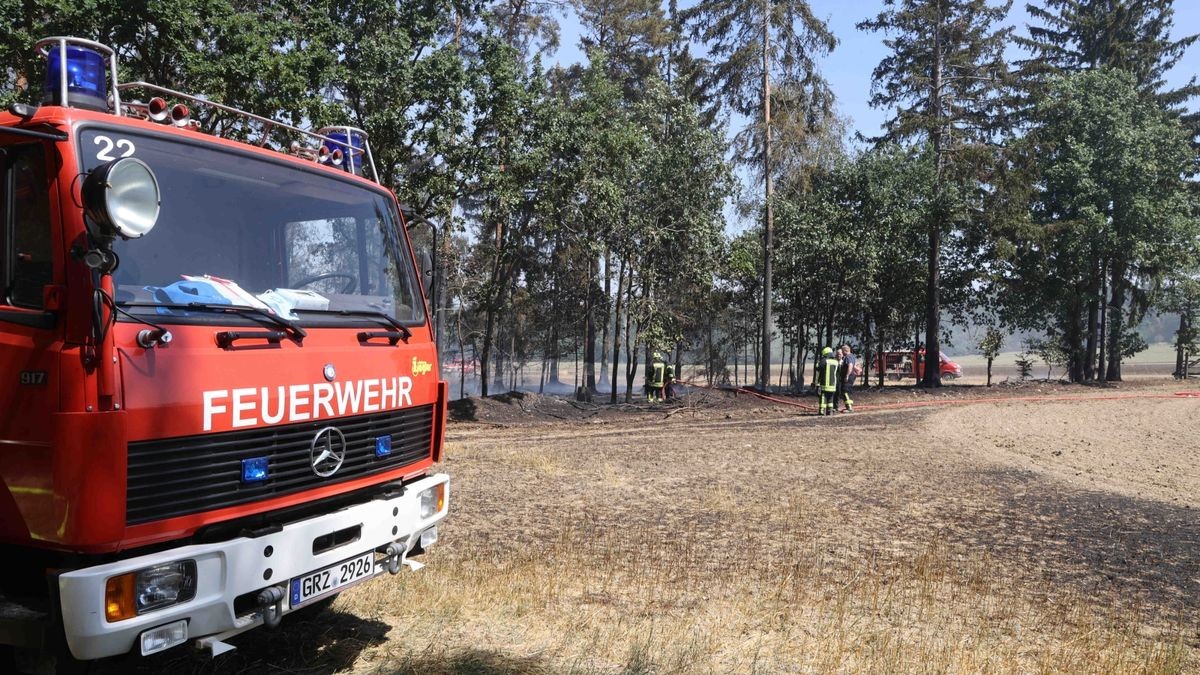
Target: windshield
{"points": [[236, 229]]}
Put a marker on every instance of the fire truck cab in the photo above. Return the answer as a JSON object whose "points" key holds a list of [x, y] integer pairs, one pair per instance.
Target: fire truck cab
{"points": [[219, 392]]}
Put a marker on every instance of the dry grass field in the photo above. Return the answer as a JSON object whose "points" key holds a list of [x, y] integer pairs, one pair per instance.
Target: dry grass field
{"points": [[742, 537]]}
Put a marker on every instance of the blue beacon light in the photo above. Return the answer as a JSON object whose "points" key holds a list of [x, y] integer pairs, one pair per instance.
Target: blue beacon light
{"points": [[352, 148], [86, 78]]}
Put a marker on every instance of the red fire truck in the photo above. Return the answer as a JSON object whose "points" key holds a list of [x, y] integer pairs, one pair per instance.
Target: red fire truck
{"points": [[898, 365], [220, 400]]}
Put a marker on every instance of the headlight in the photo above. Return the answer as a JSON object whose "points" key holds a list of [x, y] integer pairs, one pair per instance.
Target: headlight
{"points": [[433, 500], [122, 198], [135, 593]]}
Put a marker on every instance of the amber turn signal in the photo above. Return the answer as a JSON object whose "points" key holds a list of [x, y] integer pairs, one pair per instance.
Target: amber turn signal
{"points": [[118, 597]]}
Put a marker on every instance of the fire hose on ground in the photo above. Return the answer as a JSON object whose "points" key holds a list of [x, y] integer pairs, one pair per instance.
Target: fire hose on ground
{"points": [[956, 401]]}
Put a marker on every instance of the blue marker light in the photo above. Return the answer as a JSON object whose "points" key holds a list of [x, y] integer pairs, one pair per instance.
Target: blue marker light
{"points": [[383, 446], [86, 78], [254, 470]]}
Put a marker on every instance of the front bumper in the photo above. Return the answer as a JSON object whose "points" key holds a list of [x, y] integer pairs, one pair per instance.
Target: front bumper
{"points": [[233, 568]]}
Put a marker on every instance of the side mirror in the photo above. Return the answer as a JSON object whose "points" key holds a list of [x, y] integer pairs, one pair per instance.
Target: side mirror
{"points": [[426, 264], [122, 199]]}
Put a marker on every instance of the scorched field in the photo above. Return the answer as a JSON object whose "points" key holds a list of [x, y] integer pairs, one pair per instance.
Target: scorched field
{"points": [[738, 535]]}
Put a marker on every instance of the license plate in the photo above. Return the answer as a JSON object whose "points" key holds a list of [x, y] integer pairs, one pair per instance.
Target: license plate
{"points": [[325, 581]]}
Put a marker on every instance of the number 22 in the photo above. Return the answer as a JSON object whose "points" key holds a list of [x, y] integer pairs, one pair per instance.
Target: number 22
{"points": [[124, 146]]}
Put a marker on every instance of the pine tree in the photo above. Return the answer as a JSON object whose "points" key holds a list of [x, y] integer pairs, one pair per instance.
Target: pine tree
{"points": [[1133, 36], [1129, 35], [752, 42], [942, 77], [632, 33]]}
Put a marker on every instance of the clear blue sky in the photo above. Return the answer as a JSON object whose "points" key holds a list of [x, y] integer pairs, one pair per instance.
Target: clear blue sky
{"points": [[849, 67]]}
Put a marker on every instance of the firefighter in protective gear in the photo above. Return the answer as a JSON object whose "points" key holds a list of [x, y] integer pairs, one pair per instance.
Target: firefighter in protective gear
{"points": [[669, 382], [827, 374], [655, 378]]}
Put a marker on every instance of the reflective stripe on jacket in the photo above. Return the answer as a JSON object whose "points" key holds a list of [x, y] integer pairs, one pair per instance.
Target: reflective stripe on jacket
{"points": [[656, 377], [829, 367]]}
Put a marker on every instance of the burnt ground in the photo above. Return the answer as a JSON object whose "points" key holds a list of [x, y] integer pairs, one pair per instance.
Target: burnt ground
{"points": [[725, 533], [521, 408]]}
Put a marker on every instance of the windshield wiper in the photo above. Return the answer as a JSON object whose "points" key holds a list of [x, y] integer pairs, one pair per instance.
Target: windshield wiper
{"points": [[293, 330], [369, 313]]}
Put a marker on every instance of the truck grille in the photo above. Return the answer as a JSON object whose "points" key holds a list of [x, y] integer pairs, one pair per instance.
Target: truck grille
{"points": [[178, 476]]}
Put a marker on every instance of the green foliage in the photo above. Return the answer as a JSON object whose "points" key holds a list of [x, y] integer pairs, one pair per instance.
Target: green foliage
{"points": [[991, 343], [1135, 37], [1024, 361], [631, 33], [734, 31], [1049, 350], [1107, 165], [591, 199], [942, 78]]}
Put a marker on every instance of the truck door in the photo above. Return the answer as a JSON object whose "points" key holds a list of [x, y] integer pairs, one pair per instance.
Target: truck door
{"points": [[30, 340]]}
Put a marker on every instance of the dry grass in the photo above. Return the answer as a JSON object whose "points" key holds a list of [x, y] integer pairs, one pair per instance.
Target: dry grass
{"points": [[878, 542], [785, 547], [583, 605]]}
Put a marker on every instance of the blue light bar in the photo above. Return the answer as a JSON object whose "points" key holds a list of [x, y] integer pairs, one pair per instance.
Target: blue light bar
{"points": [[86, 78], [352, 150], [383, 446], [254, 470]]}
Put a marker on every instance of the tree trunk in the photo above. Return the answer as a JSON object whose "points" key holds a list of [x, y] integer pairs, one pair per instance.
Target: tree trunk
{"points": [[1093, 323], [616, 340], [554, 335], [1074, 338], [604, 379], [1101, 372], [989, 372], [880, 361], [764, 377], [866, 346], [484, 357], [552, 357], [493, 296], [630, 341], [710, 357], [589, 345], [933, 308], [1116, 310], [1179, 345], [462, 357], [498, 364], [512, 356], [679, 359]]}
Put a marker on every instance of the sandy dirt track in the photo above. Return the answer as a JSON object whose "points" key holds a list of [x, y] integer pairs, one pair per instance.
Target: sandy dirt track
{"points": [[740, 536]]}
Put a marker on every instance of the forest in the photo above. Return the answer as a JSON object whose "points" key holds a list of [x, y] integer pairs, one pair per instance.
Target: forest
{"points": [[582, 213]]}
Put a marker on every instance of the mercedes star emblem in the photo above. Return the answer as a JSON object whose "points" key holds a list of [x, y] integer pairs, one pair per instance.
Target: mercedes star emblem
{"points": [[329, 372], [327, 452]]}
